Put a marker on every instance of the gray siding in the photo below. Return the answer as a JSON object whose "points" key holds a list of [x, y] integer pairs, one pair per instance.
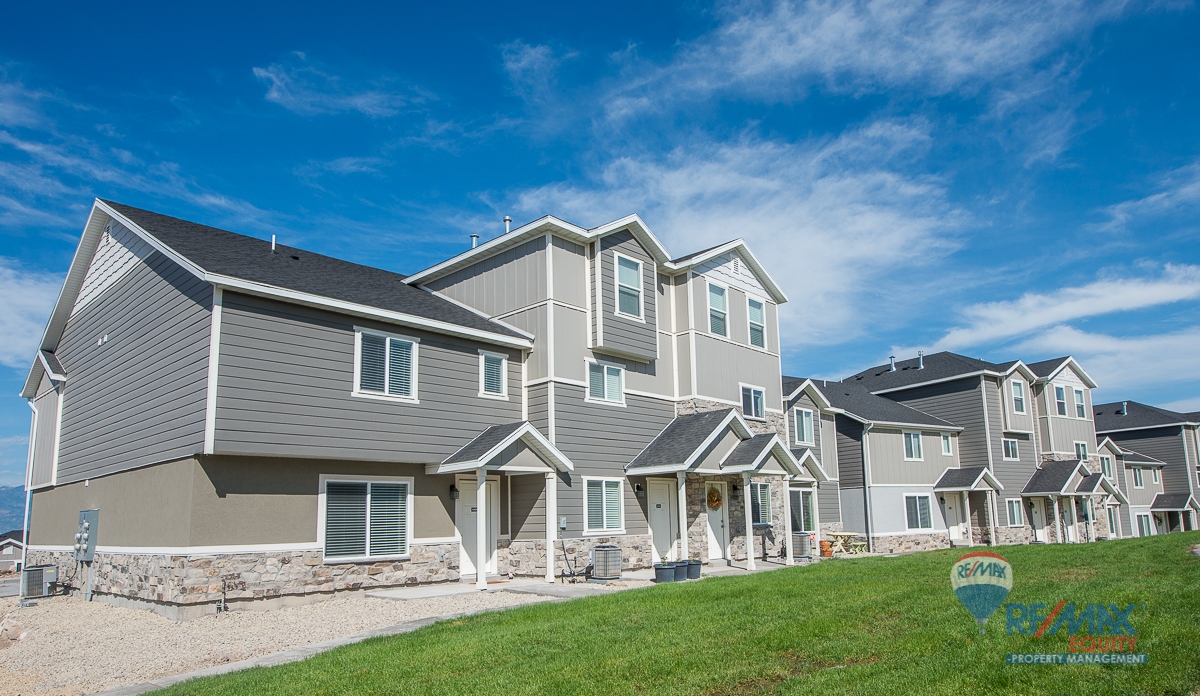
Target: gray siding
{"points": [[721, 366], [636, 339], [959, 402], [1164, 444], [286, 376], [888, 465], [509, 280], [570, 272], [539, 407], [1014, 475], [44, 427], [849, 452], [528, 507], [805, 402], [829, 452], [829, 506], [139, 398], [534, 321]]}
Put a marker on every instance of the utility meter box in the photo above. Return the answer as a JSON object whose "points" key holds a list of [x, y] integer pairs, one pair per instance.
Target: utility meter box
{"points": [[85, 537]]}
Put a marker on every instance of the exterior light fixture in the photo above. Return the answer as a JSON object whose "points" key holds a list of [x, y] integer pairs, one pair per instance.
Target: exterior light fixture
{"points": [[453, 492]]}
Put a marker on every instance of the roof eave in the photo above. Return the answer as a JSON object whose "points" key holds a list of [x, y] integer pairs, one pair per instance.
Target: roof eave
{"points": [[777, 293]]}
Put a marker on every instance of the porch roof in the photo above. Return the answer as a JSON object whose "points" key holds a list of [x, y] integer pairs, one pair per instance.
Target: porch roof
{"points": [[1098, 483], [968, 479], [685, 440], [1054, 478], [1174, 502], [505, 448]]}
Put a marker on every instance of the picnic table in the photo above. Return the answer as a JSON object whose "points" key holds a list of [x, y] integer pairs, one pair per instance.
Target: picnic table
{"points": [[840, 540]]}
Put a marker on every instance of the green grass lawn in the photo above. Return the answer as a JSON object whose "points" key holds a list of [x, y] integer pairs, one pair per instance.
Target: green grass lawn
{"points": [[870, 625]]}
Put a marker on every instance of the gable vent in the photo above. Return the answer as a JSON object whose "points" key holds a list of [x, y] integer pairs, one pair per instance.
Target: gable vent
{"points": [[737, 265]]}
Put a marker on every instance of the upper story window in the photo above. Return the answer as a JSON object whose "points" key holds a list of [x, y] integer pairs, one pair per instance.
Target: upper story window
{"points": [[753, 405], [629, 287], [1106, 467], [912, 447], [1012, 450], [947, 445], [758, 322], [760, 504], [386, 365], [1060, 400], [605, 508], [606, 383], [1080, 408], [493, 375], [1018, 397], [1154, 474], [1138, 482], [804, 427], [718, 309], [1081, 450]]}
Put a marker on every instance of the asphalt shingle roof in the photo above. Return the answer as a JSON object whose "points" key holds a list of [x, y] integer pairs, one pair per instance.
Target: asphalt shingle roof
{"points": [[228, 253], [1169, 502], [959, 478], [1132, 457], [1045, 368], [682, 437], [748, 450], [1051, 477], [856, 400], [483, 443], [790, 384], [1089, 484], [1109, 417], [939, 366]]}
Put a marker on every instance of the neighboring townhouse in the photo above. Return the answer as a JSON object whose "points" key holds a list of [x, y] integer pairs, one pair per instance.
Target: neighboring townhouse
{"points": [[254, 421], [1168, 466], [812, 431], [1140, 479], [12, 547]]}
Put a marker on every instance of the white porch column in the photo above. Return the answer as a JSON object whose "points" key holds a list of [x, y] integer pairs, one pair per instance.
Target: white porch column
{"points": [[967, 516], [991, 498], [551, 522], [1058, 528], [681, 486], [816, 515], [481, 513], [789, 557], [750, 565]]}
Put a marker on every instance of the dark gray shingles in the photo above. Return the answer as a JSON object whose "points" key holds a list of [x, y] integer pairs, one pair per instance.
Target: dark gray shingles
{"points": [[1120, 415], [747, 451], [791, 384], [1050, 477], [231, 254], [1170, 502], [694, 254], [1089, 484], [483, 443], [939, 366], [1132, 457], [1045, 368], [959, 478], [680, 439], [856, 400]]}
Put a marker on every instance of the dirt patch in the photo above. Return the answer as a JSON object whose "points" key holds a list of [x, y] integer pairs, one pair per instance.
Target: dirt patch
{"points": [[1072, 574], [798, 665]]}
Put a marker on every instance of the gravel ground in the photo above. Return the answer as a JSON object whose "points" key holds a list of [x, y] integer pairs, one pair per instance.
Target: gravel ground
{"points": [[77, 647]]}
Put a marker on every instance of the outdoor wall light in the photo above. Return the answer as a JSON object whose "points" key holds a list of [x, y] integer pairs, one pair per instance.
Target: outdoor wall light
{"points": [[735, 488], [943, 499], [639, 491], [453, 492]]}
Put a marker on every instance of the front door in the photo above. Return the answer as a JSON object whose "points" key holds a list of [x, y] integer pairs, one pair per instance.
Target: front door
{"points": [[664, 518], [954, 517], [1037, 519], [465, 520], [1066, 508], [717, 504]]}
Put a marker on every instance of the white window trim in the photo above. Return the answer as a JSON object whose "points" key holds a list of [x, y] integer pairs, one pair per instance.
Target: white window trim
{"points": [[641, 316], [770, 517], [1013, 396], [1138, 476], [928, 500], [587, 389], [1016, 448], [947, 445], [416, 344], [1075, 448], [753, 387], [920, 446], [323, 479], [1149, 523], [503, 395], [749, 333], [620, 500], [1112, 470], [1154, 477], [1008, 511], [1081, 403], [1066, 410], [708, 308], [796, 424]]}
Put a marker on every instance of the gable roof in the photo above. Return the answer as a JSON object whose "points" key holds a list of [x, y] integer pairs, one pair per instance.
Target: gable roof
{"points": [[967, 479], [1091, 482], [856, 402], [792, 386], [1174, 502], [690, 261], [685, 437], [939, 367], [1054, 477], [1132, 415], [1047, 370], [15, 535], [484, 448]]}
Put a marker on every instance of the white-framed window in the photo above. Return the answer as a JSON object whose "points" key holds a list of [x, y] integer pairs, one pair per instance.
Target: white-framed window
{"points": [[1081, 450], [1145, 527], [718, 309], [604, 506], [756, 312], [947, 445], [1138, 481], [365, 518], [606, 383], [760, 504], [1012, 451], [1154, 474], [753, 404], [1018, 396], [493, 375], [804, 515], [385, 365], [917, 509], [1106, 466], [1080, 407], [1112, 521], [629, 286], [1060, 400], [1015, 512], [804, 427], [912, 447]]}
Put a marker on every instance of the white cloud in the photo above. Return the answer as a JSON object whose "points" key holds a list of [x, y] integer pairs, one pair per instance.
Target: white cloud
{"points": [[990, 322], [299, 86], [26, 298], [1177, 190], [1120, 363], [1183, 405]]}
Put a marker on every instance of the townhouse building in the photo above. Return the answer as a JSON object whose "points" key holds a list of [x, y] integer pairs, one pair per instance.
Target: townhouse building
{"points": [[255, 422]]}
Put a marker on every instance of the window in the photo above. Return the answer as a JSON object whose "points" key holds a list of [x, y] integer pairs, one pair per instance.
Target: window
{"points": [[606, 383], [1106, 466], [1154, 475], [947, 445], [386, 365], [1144, 526], [1138, 481], [758, 322], [604, 505], [1081, 450], [718, 307], [1018, 396], [804, 427], [760, 504], [752, 402], [1012, 451], [1060, 400], [367, 519], [1112, 521], [1080, 408], [917, 507], [629, 287], [803, 513], [1014, 512], [493, 375], [912, 447]]}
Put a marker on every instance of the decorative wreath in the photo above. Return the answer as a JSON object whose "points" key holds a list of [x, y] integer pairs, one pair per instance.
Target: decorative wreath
{"points": [[714, 498]]}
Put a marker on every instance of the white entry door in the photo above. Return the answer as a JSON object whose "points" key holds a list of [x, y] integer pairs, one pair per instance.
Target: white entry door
{"points": [[718, 520], [664, 518], [464, 517], [1037, 519], [954, 516], [1066, 508]]}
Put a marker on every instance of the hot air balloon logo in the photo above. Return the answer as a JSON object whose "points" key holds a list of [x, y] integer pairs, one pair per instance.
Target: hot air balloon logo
{"points": [[981, 580]]}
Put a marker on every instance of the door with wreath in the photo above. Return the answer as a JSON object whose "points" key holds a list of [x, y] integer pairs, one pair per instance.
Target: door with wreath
{"points": [[717, 505]]}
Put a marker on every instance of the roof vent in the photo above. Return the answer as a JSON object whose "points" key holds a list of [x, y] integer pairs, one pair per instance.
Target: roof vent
{"points": [[272, 244], [737, 264], [1124, 408], [507, 224], [891, 363], [474, 240], [920, 360]]}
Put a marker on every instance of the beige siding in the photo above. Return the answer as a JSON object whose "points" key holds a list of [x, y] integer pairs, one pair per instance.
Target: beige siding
{"points": [[1142, 496], [570, 343], [570, 272], [44, 430], [721, 366], [1022, 422], [829, 459], [501, 283], [887, 458]]}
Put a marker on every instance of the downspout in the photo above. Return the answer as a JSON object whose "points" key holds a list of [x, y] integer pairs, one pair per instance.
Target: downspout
{"points": [[867, 485], [28, 498]]}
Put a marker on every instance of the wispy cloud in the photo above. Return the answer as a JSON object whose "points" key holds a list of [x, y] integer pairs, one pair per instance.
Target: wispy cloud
{"points": [[1176, 191], [1121, 363], [26, 298], [299, 85]]}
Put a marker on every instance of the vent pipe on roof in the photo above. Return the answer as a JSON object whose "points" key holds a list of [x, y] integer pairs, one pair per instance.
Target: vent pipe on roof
{"points": [[507, 224], [272, 244], [920, 360], [1124, 408], [474, 240], [891, 363]]}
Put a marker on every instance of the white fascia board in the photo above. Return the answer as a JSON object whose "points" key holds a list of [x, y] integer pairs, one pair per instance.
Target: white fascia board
{"points": [[474, 311], [1144, 427], [532, 438], [1082, 476], [774, 448], [777, 293], [1021, 367], [727, 421], [57, 376], [1113, 490], [813, 391], [1070, 360], [891, 424], [991, 480], [965, 375], [640, 230], [809, 461]]}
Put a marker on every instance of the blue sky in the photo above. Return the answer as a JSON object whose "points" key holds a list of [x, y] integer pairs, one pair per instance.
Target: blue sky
{"points": [[1005, 180]]}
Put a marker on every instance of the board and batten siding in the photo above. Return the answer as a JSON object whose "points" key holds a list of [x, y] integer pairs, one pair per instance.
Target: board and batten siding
{"points": [[285, 380], [804, 401], [721, 366], [959, 402], [1165, 445], [569, 267], [629, 337], [889, 467], [45, 426], [503, 282], [138, 398]]}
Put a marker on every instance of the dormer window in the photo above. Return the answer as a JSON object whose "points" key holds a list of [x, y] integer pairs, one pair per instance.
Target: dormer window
{"points": [[1018, 397], [629, 287], [718, 310]]}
